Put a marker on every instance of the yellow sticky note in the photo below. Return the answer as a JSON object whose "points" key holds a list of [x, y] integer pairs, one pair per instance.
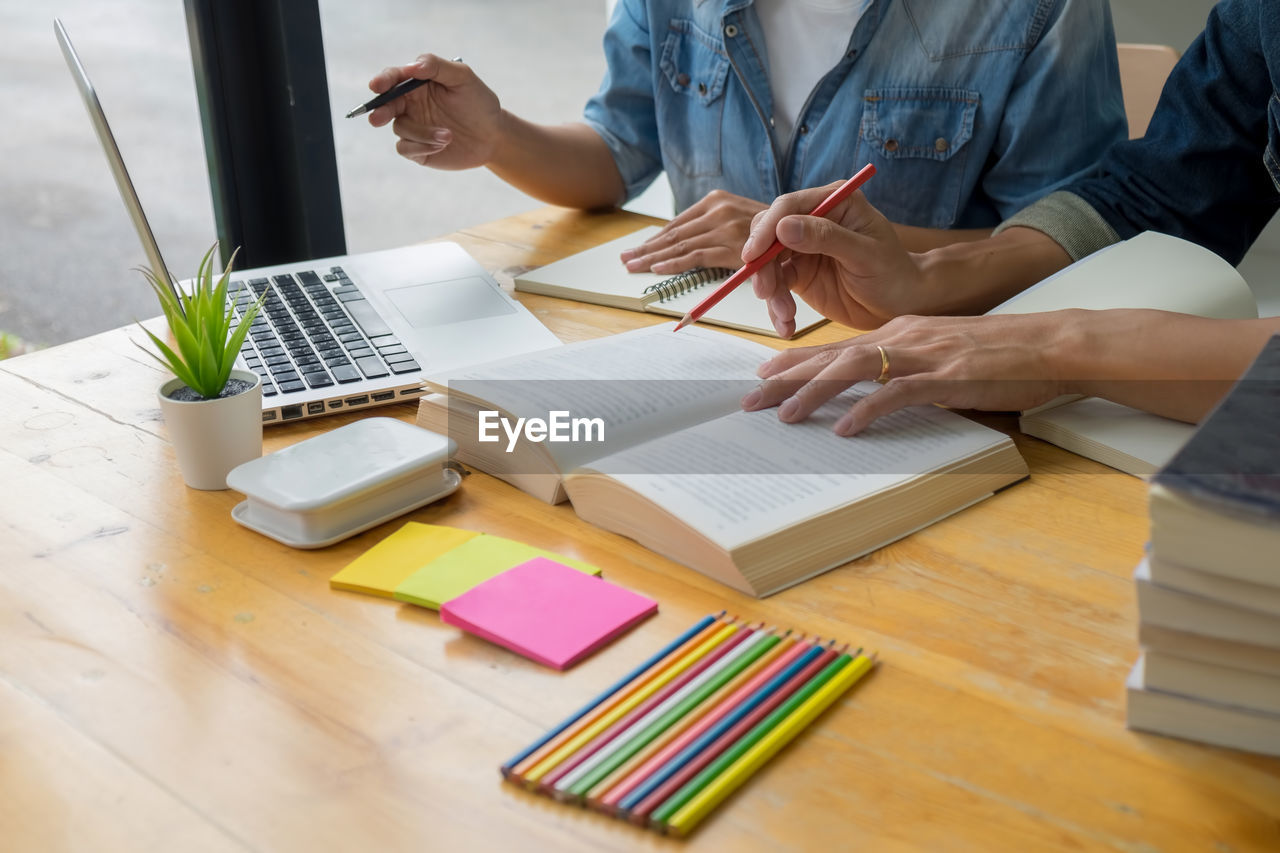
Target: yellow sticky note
{"points": [[450, 575], [386, 565]]}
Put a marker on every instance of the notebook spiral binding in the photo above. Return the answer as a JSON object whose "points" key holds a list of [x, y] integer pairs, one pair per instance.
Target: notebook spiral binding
{"points": [[686, 281]]}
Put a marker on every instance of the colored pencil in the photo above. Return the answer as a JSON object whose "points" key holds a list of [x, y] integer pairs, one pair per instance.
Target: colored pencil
{"points": [[664, 716], [762, 666], [618, 685], [694, 759], [660, 680], [698, 738], [645, 705], [551, 746], [692, 813], [678, 800]]}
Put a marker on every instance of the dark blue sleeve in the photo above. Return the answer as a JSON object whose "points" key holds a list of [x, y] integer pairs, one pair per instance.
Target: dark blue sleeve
{"points": [[1199, 173]]}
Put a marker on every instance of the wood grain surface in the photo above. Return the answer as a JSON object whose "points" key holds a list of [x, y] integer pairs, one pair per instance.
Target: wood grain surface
{"points": [[170, 680]]}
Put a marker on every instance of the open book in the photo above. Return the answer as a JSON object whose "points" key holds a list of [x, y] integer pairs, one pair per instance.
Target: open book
{"points": [[677, 466], [1148, 271], [598, 276]]}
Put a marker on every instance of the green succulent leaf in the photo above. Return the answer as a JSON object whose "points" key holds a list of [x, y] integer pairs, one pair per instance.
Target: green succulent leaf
{"points": [[206, 337]]}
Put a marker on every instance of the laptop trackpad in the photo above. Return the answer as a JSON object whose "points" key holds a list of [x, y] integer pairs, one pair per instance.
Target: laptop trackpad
{"points": [[444, 302]]}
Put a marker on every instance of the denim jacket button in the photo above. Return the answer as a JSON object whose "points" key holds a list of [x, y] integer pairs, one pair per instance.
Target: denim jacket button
{"points": [[891, 145], [804, 128], [702, 88], [940, 145], [731, 30], [682, 79]]}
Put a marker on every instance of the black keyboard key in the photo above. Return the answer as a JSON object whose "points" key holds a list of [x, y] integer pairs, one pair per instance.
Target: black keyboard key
{"points": [[308, 277], [405, 367], [359, 352], [345, 373], [268, 390], [391, 349], [397, 357], [317, 380], [367, 319], [292, 386], [371, 367]]}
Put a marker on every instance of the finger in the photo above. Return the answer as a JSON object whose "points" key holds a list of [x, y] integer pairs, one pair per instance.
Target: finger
{"points": [[385, 79], [840, 368], [418, 152], [782, 313], [410, 132], [789, 358], [917, 390], [764, 225]]}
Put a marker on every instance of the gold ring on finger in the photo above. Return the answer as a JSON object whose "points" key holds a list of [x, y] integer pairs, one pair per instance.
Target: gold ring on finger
{"points": [[884, 365]]}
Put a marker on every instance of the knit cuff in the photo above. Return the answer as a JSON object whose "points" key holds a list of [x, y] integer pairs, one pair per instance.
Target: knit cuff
{"points": [[1069, 221]]}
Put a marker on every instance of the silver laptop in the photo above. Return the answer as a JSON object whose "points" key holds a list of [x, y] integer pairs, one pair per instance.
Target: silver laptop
{"points": [[353, 331]]}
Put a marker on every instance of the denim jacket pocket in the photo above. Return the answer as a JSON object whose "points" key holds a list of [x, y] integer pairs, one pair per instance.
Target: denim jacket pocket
{"points": [[916, 139], [690, 106], [1271, 156]]}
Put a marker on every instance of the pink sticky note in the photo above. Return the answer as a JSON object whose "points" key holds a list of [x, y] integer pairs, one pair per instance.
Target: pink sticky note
{"points": [[547, 611]]}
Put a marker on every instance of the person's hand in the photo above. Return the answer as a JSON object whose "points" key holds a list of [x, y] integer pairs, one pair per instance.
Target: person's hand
{"points": [[709, 233], [849, 266], [999, 363], [453, 122]]}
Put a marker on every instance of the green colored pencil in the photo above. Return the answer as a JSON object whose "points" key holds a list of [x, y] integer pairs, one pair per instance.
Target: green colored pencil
{"points": [[697, 783]]}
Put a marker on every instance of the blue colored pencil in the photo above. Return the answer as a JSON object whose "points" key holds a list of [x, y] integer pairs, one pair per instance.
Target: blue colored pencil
{"points": [[622, 682], [708, 737]]}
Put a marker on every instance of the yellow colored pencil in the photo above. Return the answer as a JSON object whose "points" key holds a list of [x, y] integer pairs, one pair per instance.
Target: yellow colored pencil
{"points": [[590, 732], [704, 708], [525, 765], [692, 813]]}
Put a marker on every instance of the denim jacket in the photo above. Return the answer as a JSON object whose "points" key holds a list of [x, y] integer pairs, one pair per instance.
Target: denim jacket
{"points": [[969, 109], [1208, 169]]}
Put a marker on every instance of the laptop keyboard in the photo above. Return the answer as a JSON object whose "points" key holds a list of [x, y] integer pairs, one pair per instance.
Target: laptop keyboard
{"points": [[308, 337]]}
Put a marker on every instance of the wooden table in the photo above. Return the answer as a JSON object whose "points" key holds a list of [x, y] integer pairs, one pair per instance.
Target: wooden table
{"points": [[170, 680]]}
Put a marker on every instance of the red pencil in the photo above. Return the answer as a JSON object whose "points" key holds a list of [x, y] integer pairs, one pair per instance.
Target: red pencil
{"points": [[547, 782], [732, 283], [641, 812], [610, 800]]}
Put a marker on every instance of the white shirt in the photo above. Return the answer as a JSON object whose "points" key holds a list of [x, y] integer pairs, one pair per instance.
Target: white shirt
{"points": [[804, 40]]}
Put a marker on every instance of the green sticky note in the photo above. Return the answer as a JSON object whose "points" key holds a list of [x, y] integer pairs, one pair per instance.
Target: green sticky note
{"points": [[472, 562]]}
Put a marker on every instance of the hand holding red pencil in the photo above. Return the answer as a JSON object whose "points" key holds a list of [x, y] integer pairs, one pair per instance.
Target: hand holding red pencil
{"points": [[757, 261], [849, 265]]}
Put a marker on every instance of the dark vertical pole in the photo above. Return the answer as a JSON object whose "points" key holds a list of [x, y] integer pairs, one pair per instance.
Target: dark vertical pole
{"points": [[268, 133]]}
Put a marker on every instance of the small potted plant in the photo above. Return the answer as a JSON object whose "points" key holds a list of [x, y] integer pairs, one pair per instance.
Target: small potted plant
{"points": [[213, 412]]}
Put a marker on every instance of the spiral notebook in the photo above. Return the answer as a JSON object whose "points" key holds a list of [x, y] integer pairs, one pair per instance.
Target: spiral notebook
{"points": [[598, 276]]}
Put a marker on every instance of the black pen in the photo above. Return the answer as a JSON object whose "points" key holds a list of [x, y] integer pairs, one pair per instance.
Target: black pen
{"points": [[404, 87]]}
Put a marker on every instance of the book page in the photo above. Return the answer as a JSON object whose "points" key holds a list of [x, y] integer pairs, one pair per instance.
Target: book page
{"points": [[747, 474], [1109, 432], [639, 384], [1147, 271]]}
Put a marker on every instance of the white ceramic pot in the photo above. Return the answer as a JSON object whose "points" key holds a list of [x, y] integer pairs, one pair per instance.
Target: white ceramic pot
{"points": [[211, 437]]}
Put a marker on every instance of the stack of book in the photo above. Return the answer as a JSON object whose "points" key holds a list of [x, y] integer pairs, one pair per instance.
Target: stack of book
{"points": [[1209, 587]]}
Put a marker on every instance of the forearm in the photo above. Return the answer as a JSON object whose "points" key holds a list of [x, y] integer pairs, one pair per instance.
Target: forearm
{"points": [[915, 239], [973, 277], [567, 165], [1176, 365]]}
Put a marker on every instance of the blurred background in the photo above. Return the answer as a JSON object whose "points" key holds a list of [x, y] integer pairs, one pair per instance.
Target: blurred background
{"points": [[68, 246]]}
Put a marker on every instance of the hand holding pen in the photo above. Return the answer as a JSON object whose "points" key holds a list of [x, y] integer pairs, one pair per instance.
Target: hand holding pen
{"points": [[452, 124]]}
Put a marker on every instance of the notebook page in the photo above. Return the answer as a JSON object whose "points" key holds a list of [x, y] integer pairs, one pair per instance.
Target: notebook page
{"points": [[641, 383], [596, 275], [740, 310], [792, 471]]}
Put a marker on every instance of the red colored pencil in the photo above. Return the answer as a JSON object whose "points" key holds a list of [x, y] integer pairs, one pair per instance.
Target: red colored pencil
{"points": [[547, 782], [610, 800], [732, 283], [646, 806]]}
